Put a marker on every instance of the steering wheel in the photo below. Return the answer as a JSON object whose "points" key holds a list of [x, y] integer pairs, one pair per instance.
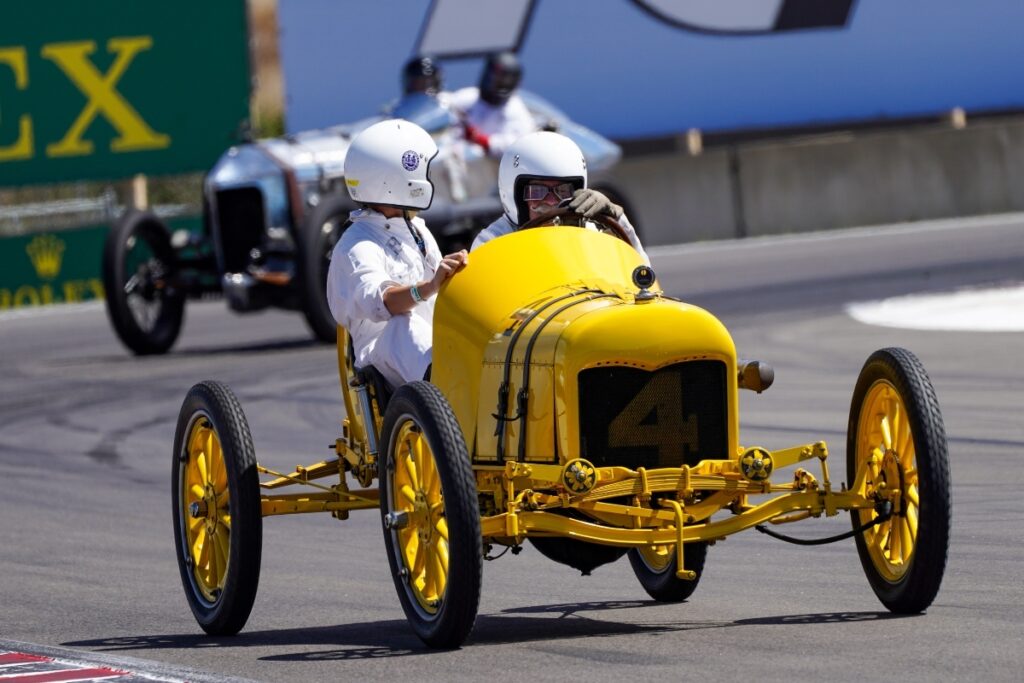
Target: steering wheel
{"points": [[607, 223]]}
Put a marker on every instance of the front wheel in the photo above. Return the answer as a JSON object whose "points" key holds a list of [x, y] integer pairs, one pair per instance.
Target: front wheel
{"points": [[145, 307], [218, 525], [655, 568], [431, 517], [896, 433]]}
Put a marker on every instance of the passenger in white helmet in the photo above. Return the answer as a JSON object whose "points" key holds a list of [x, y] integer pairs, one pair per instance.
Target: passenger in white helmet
{"points": [[387, 268], [539, 171]]}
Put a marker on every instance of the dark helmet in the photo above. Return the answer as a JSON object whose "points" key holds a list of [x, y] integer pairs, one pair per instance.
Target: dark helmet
{"points": [[501, 77], [421, 74]]}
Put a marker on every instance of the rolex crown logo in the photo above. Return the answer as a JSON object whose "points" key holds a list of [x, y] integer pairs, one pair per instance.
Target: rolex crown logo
{"points": [[46, 252]]}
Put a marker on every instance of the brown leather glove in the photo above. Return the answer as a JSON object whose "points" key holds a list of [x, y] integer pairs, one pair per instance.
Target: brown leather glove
{"points": [[590, 203]]}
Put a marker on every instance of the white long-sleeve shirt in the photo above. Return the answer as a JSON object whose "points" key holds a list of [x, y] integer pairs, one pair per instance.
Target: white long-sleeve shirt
{"points": [[374, 254]]}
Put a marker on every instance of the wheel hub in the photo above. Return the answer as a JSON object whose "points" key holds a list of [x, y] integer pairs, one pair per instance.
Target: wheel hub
{"points": [[210, 504], [891, 477], [420, 517]]}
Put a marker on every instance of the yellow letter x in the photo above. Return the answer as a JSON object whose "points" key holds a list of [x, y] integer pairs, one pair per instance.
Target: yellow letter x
{"points": [[14, 57], [134, 134]]}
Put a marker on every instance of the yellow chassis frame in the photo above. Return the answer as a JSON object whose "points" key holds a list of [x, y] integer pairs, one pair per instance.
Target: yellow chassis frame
{"points": [[525, 494]]}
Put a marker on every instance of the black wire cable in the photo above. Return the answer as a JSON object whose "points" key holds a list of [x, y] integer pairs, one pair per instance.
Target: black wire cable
{"points": [[503, 389], [884, 509], [522, 397]]}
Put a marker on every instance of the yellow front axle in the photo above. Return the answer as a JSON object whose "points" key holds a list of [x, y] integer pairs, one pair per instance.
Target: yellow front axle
{"points": [[668, 506]]}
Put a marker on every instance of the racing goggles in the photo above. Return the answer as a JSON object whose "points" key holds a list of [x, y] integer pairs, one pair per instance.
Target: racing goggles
{"points": [[534, 192]]}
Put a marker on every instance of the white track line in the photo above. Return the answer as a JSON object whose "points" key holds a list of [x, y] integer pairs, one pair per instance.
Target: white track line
{"points": [[999, 309]]}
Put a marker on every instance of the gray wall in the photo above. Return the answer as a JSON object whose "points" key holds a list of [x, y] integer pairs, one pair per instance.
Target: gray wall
{"points": [[826, 181]]}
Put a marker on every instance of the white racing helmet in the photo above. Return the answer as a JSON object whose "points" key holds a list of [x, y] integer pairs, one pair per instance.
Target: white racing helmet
{"points": [[537, 156], [387, 164]]}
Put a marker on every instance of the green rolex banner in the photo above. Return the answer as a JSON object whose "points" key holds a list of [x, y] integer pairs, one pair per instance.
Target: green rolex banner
{"points": [[51, 267], [109, 88], [60, 266]]}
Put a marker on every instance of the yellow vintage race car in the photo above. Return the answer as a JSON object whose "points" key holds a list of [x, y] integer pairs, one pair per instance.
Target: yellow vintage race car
{"points": [[574, 405]]}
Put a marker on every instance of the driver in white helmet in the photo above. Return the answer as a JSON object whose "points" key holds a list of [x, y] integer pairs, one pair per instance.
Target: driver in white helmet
{"points": [[536, 173], [387, 268]]}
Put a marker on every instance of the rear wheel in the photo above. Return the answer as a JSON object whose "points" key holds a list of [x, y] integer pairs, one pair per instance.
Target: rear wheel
{"points": [[320, 234], [431, 516], [655, 567], [896, 432], [145, 307], [218, 525]]}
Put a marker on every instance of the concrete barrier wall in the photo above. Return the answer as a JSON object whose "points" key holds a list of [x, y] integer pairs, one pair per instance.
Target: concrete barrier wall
{"points": [[677, 197], [827, 181]]}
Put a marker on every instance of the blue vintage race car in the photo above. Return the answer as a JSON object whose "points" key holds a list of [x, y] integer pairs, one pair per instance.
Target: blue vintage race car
{"points": [[274, 209]]}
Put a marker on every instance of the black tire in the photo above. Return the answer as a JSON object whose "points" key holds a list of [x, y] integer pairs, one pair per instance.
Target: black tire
{"points": [[660, 581], [221, 599], [145, 308], [905, 580], [444, 618], [320, 233]]}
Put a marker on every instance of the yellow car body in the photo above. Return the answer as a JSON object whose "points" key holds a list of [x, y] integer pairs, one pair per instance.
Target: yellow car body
{"points": [[604, 326]]}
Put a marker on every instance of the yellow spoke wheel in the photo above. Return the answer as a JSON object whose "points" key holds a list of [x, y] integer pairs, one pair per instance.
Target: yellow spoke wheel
{"points": [[423, 546], [430, 515], [655, 568], [206, 497], [217, 516], [897, 439]]}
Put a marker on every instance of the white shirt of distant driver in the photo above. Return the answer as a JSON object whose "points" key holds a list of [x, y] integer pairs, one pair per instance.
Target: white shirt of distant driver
{"points": [[503, 124]]}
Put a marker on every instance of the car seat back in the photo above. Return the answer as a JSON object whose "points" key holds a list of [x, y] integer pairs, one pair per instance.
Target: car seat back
{"points": [[354, 379]]}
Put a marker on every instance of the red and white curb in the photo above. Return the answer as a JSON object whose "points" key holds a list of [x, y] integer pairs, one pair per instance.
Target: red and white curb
{"points": [[19, 667], [30, 663]]}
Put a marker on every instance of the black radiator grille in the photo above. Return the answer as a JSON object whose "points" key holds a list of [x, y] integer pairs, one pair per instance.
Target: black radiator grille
{"points": [[633, 418], [241, 222]]}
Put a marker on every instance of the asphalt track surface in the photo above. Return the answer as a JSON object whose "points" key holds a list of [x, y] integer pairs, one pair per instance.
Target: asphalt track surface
{"points": [[87, 559]]}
